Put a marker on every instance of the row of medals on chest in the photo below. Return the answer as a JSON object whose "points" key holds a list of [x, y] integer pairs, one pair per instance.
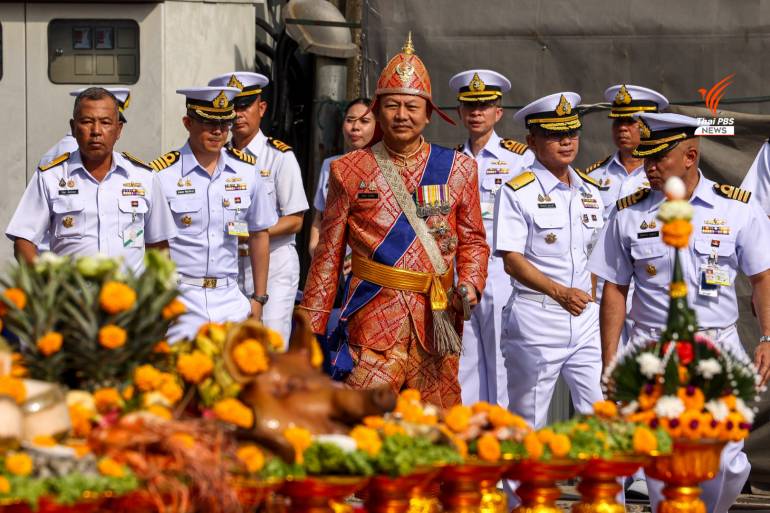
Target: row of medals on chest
{"points": [[186, 219], [544, 201]]}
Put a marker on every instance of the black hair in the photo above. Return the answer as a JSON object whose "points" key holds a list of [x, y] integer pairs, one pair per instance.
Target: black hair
{"points": [[94, 93], [358, 101]]}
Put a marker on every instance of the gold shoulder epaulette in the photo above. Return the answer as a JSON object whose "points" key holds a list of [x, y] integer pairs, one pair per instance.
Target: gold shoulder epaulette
{"points": [[460, 147], [279, 145], [632, 199], [596, 165], [519, 181], [165, 161], [242, 155], [732, 192], [590, 180], [55, 162], [136, 160], [513, 146]]}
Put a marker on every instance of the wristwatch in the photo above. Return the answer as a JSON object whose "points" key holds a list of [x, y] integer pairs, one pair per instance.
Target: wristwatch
{"points": [[260, 299], [764, 339]]}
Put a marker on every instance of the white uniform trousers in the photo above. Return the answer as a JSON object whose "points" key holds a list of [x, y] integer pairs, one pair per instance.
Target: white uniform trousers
{"points": [[721, 492], [540, 341], [482, 369], [282, 285], [221, 304]]}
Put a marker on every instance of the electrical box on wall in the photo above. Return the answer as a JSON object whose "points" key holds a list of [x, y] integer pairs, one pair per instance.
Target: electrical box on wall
{"points": [[90, 51]]}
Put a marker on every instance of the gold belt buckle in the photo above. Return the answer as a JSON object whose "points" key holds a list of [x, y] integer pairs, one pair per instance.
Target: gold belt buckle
{"points": [[209, 283]]}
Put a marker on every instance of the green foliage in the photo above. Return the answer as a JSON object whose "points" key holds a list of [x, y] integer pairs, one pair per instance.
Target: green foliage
{"points": [[67, 489], [323, 458]]}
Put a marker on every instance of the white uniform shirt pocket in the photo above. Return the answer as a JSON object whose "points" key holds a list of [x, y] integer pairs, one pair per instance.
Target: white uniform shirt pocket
{"points": [[550, 235], [69, 218], [187, 215], [651, 262], [132, 210], [236, 207]]}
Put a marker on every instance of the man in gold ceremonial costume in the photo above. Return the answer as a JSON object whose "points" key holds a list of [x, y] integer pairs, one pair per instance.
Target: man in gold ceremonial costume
{"points": [[410, 212]]}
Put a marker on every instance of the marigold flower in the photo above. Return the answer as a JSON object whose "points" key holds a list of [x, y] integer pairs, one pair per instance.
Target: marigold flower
{"points": [[676, 233], [300, 439], [367, 440], [649, 396], [692, 397], [545, 435], [81, 448], [481, 407], [18, 370], [642, 417], [80, 417], [673, 426], [128, 393], [186, 440], [733, 428], [13, 388], [50, 343], [606, 409], [161, 347], [374, 421], [116, 297], [107, 399], [644, 441], [16, 296], [159, 411], [171, 390], [461, 446], [500, 417], [250, 357], [194, 367], [5, 485], [274, 340], [147, 378], [251, 457], [560, 445], [111, 468], [391, 428], [174, 309], [44, 441], [234, 412], [709, 426], [411, 395], [730, 401], [458, 418], [488, 447], [410, 411], [112, 337], [691, 424], [18, 464], [533, 445]]}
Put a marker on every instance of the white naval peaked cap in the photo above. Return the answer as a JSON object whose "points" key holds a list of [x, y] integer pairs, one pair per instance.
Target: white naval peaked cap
{"points": [[479, 85], [248, 83], [555, 112], [627, 99], [122, 94], [661, 132], [214, 103]]}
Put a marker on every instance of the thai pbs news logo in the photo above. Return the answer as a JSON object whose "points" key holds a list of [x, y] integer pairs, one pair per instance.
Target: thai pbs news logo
{"points": [[715, 126]]}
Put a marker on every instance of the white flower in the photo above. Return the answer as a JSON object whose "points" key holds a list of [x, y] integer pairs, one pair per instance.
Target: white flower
{"points": [[675, 188], [669, 406], [629, 409], [344, 442], [673, 210], [650, 365], [709, 368], [746, 412], [717, 409]]}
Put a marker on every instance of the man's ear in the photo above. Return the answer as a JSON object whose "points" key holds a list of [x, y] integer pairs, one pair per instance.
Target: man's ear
{"points": [[187, 122]]}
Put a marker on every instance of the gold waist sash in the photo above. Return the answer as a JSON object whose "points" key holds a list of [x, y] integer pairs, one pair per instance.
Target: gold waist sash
{"points": [[404, 279]]}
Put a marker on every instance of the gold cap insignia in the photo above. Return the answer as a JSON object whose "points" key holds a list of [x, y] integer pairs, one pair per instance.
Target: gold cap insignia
{"points": [[234, 82], [644, 130], [477, 84], [220, 101], [623, 97], [404, 70], [564, 108]]}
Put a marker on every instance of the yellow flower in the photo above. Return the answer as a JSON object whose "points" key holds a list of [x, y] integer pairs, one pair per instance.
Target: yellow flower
{"points": [[458, 418], [44, 441], [300, 439], [488, 447], [560, 445], [500, 417], [147, 378], [644, 441], [374, 421], [649, 396], [170, 389], [390, 429], [15, 296], [533, 445], [316, 354], [709, 427], [367, 440], [250, 357], [161, 347], [606, 409], [13, 388], [194, 367], [461, 446], [18, 464], [128, 393], [730, 401], [80, 417], [5, 485], [107, 399], [111, 468], [81, 448], [18, 370], [186, 440], [676, 233], [50, 343], [159, 411], [481, 407], [112, 337], [116, 297], [174, 309], [410, 395], [234, 412], [545, 435], [251, 457], [410, 411], [691, 424]]}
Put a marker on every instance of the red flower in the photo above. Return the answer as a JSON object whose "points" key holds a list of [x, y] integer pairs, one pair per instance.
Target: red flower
{"points": [[685, 352]]}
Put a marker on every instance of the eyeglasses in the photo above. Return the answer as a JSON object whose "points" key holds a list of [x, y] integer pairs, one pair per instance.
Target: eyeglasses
{"points": [[558, 136], [214, 125]]}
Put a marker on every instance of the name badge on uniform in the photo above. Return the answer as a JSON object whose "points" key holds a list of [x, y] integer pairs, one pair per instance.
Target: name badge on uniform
{"points": [[68, 192], [544, 201], [368, 195], [238, 228], [185, 191]]}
